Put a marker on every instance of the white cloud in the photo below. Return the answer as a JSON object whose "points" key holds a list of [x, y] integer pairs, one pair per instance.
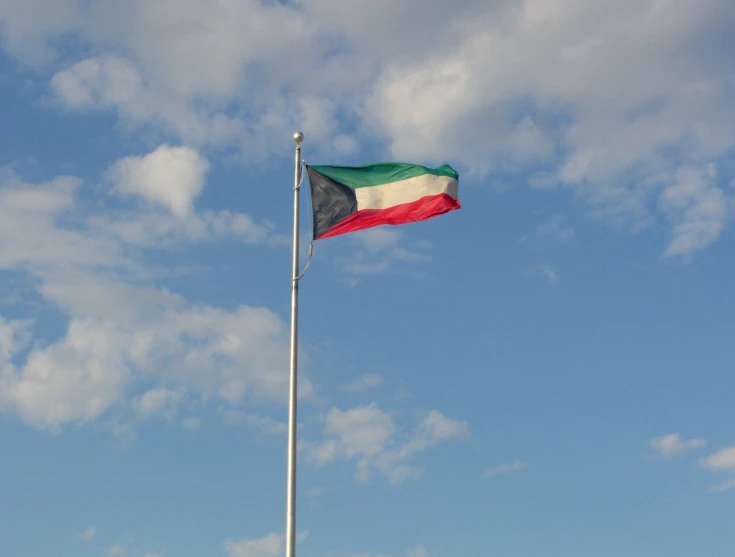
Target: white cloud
{"points": [[88, 534], [379, 251], [29, 235], [673, 444], [158, 401], [596, 97], [192, 423], [112, 82], [313, 496], [417, 551], [435, 428], [76, 379], [721, 461], [14, 336], [697, 209], [123, 432], [97, 82], [154, 230], [116, 550], [505, 469], [567, 59], [377, 239], [270, 545], [262, 425], [724, 486], [638, 116], [120, 333], [550, 274], [111, 341], [171, 177], [368, 436], [161, 71], [555, 228], [592, 98], [27, 24], [364, 382]]}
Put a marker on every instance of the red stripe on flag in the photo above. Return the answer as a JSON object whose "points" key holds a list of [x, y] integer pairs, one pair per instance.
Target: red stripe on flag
{"points": [[421, 209]]}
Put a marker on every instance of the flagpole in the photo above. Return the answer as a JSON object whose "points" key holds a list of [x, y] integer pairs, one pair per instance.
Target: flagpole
{"points": [[298, 137]]}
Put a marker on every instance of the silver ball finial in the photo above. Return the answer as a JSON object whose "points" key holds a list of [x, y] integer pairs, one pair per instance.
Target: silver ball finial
{"points": [[298, 137]]}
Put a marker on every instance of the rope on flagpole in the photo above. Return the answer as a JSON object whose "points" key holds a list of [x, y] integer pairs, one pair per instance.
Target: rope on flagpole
{"points": [[311, 242]]}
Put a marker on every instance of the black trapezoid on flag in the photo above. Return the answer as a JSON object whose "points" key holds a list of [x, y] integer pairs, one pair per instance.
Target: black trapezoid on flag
{"points": [[331, 202]]}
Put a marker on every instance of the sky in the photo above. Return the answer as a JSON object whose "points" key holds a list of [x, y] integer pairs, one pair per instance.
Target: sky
{"points": [[547, 372]]}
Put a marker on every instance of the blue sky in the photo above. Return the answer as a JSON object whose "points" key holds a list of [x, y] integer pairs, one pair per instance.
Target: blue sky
{"points": [[547, 372]]}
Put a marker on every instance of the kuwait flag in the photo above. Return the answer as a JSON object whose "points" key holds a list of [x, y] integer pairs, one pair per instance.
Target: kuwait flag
{"points": [[350, 198]]}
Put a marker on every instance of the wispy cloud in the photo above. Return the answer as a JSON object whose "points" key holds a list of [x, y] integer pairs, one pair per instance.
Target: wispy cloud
{"points": [[122, 332], [270, 545], [724, 486], [368, 436], [88, 534], [158, 401], [364, 382], [417, 551], [555, 228], [721, 461], [378, 239], [505, 469], [313, 495], [192, 423], [548, 273], [696, 207], [379, 250], [638, 120], [673, 444], [116, 550], [261, 425]]}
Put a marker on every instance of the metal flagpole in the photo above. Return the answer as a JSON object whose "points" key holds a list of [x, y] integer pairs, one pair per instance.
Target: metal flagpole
{"points": [[298, 137]]}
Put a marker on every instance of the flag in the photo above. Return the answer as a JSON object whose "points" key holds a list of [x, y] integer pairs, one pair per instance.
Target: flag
{"points": [[351, 198]]}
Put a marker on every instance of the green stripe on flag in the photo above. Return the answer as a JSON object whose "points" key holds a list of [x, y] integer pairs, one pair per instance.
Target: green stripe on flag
{"points": [[381, 173]]}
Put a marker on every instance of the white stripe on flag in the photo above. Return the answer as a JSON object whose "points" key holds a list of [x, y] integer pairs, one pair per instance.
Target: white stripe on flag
{"points": [[389, 195]]}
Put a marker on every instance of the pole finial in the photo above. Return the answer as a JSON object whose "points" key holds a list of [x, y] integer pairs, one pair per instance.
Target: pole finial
{"points": [[298, 137]]}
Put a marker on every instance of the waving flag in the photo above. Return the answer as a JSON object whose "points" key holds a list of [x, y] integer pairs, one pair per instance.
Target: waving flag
{"points": [[351, 198]]}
